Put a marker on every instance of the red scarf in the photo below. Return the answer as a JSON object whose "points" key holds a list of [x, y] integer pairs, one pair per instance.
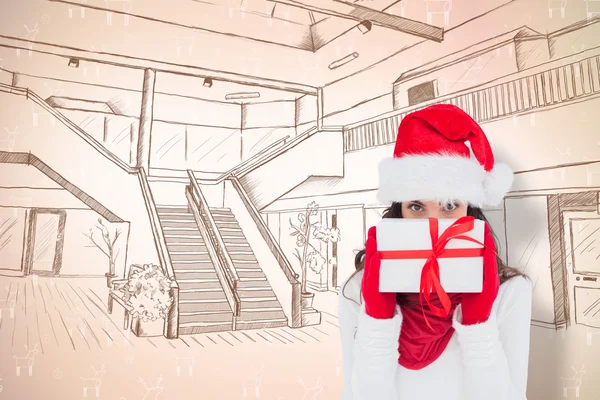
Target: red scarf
{"points": [[420, 345]]}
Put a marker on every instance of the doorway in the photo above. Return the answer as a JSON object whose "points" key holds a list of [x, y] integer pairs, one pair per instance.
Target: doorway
{"points": [[582, 261], [46, 240]]}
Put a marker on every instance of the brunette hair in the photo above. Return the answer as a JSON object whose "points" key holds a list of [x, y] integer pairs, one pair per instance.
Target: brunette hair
{"points": [[395, 211]]}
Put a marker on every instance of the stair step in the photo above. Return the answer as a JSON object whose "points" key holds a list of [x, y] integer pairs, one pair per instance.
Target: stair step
{"points": [[165, 209], [244, 275], [189, 257], [209, 294], [264, 302], [248, 268], [235, 247], [184, 239], [186, 247], [205, 284], [245, 256], [196, 306], [227, 224], [178, 224], [221, 219], [261, 314], [176, 215], [243, 262], [207, 316], [252, 293], [230, 231], [194, 328], [253, 283], [183, 275], [222, 210], [181, 229], [230, 240], [261, 324], [192, 265]]}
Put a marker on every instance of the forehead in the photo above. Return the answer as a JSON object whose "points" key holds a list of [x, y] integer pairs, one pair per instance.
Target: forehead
{"points": [[431, 203]]}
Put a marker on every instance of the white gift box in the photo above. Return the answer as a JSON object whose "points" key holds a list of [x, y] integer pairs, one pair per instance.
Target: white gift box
{"points": [[403, 275]]}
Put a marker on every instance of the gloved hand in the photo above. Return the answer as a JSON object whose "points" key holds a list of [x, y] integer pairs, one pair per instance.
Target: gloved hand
{"points": [[477, 307], [377, 305]]}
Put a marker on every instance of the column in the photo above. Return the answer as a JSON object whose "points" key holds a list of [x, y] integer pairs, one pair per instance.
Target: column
{"points": [[319, 108], [146, 115]]}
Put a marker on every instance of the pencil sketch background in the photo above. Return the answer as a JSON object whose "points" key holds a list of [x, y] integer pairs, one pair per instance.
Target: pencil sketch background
{"points": [[183, 184]]}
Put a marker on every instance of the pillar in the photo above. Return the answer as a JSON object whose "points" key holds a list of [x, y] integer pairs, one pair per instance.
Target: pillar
{"points": [[319, 109], [146, 116]]}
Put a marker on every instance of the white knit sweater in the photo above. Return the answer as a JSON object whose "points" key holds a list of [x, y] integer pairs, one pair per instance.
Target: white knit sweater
{"points": [[487, 361]]}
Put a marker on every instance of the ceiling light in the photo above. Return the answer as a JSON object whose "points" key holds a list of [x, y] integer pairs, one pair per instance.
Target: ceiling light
{"points": [[343, 61], [365, 26], [207, 82], [242, 95], [73, 62]]}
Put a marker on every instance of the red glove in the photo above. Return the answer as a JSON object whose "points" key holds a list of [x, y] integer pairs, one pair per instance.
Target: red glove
{"points": [[477, 307], [377, 305]]}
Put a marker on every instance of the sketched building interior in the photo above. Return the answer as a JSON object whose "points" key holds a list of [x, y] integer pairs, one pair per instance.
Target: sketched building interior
{"points": [[208, 172]]}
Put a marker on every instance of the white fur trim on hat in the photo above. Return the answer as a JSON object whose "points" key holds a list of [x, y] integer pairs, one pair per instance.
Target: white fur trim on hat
{"points": [[442, 178]]}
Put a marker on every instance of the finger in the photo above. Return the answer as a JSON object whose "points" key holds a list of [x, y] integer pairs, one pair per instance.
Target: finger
{"points": [[372, 233]]}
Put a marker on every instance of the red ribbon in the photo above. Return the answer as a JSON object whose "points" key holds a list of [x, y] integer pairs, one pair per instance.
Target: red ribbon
{"points": [[430, 275]]}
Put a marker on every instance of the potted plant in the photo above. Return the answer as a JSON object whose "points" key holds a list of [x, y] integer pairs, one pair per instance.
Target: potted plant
{"points": [[109, 242], [308, 255], [148, 299]]}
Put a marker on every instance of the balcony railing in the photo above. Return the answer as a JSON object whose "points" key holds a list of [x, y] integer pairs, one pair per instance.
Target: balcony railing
{"points": [[544, 89]]}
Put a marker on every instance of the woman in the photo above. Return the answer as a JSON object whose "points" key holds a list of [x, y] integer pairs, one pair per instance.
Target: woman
{"points": [[481, 349]]}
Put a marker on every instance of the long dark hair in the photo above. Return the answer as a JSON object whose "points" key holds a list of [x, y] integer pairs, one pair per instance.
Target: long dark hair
{"points": [[395, 211]]}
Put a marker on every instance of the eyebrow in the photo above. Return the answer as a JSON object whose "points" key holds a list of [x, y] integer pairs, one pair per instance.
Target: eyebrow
{"points": [[417, 202]]}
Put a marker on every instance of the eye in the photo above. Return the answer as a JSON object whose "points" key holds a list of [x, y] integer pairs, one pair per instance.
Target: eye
{"points": [[415, 207], [450, 206]]}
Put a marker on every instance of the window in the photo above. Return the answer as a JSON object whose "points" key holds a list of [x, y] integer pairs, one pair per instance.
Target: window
{"points": [[422, 92]]}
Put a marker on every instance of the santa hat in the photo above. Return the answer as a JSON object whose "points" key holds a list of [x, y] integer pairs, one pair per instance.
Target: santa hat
{"points": [[432, 161]]}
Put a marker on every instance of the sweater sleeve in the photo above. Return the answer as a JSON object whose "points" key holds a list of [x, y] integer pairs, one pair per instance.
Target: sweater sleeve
{"points": [[495, 354], [369, 352]]}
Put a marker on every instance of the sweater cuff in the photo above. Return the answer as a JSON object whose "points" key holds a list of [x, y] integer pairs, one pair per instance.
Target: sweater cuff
{"points": [[480, 343], [373, 328]]}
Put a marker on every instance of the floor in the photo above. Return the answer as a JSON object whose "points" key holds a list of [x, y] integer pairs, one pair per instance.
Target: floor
{"points": [[60, 339], [61, 329]]}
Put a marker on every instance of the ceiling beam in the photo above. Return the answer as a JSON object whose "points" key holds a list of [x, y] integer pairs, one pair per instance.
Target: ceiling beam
{"points": [[120, 60], [347, 10]]}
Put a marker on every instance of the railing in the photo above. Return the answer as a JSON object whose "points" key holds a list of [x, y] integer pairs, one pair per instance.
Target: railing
{"points": [[284, 264], [70, 124], [225, 175], [172, 318], [268, 156], [214, 243], [543, 89], [171, 330]]}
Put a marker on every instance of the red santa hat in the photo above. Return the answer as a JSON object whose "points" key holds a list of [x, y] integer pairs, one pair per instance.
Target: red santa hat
{"points": [[432, 161]]}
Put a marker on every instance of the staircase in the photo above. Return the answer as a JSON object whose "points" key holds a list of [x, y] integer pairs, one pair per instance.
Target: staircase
{"points": [[259, 305], [202, 303], [203, 306]]}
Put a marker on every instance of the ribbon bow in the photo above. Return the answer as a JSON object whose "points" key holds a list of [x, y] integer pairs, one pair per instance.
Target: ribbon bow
{"points": [[430, 275]]}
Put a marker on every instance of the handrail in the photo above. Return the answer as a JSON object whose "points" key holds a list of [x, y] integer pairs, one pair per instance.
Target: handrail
{"points": [[493, 100], [214, 241], [276, 250], [224, 175], [70, 124], [274, 154], [287, 268], [105, 152], [171, 328], [172, 318]]}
